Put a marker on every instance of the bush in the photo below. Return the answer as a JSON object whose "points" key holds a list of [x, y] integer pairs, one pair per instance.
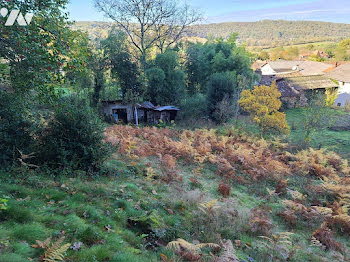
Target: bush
{"points": [[15, 128], [221, 87], [263, 104], [166, 80], [74, 138], [193, 107], [224, 189]]}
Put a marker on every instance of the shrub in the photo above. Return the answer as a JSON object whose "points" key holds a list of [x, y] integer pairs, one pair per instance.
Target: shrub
{"points": [[15, 128], [221, 86], [326, 237], [224, 110], [74, 138], [224, 189], [260, 221], [263, 104], [193, 107]]}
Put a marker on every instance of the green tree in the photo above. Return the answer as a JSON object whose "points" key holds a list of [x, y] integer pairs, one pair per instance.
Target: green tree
{"points": [[123, 68], [341, 52], [215, 56], [198, 66], [221, 89], [98, 63], [345, 44], [315, 116], [166, 80], [310, 47], [39, 52], [293, 52]]}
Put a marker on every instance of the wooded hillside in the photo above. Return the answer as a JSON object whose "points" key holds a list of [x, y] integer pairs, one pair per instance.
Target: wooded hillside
{"points": [[266, 33]]}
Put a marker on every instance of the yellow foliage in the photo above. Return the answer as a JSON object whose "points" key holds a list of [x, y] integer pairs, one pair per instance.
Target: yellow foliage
{"points": [[150, 174], [263, 104]]}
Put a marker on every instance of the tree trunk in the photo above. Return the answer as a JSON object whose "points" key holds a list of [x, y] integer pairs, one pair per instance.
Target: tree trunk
{"points": [[97, 89]]}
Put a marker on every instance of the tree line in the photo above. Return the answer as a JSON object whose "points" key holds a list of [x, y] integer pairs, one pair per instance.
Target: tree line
{"points": [[267, 33], [56, 77]]}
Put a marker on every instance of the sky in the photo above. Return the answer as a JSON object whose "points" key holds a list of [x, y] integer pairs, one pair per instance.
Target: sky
{"points": [[216, 11]]}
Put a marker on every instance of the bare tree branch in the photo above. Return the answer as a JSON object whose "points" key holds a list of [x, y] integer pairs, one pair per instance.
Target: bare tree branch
{"points": [[150, 23]]}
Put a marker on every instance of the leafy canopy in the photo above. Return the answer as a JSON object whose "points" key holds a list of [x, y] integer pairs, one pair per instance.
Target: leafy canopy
{"points": [[40, 52], [166, 80], [263, 104]]}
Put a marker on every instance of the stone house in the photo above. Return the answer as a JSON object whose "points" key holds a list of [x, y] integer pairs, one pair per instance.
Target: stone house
{"points": [[296, 80], [342, 75]]}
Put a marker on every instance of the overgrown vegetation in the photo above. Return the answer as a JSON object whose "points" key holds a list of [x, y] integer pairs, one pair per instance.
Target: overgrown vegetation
{"points": [[73, 188], [73, 138], [263, 104], [245, 189]]}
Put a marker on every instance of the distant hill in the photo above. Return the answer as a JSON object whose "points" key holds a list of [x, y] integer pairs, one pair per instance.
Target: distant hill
{"points": [[267, 33], [276, 33]]}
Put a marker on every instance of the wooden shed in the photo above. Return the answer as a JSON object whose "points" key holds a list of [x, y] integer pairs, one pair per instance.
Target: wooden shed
{"points": [[117, 112], [163, 113]]}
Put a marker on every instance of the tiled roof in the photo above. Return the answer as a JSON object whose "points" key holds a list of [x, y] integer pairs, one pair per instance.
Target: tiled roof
{"points": [[310, 82], [306, 68], [341, 73]]}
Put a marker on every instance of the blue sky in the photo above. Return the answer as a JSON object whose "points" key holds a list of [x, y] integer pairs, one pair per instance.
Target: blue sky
{"points": [[248, 10]]}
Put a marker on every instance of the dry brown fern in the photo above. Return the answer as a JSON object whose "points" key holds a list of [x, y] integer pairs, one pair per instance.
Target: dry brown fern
{"points": [[54, 251], [181, 243], [189, 251]]}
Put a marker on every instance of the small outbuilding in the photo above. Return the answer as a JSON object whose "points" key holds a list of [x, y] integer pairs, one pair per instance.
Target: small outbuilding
{"points": [[164, 113], [117, 112]]}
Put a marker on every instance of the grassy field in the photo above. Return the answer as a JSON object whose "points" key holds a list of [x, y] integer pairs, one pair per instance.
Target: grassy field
{"points": [[337, 141], [316, 45], [325, 138], [155, 193]]}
